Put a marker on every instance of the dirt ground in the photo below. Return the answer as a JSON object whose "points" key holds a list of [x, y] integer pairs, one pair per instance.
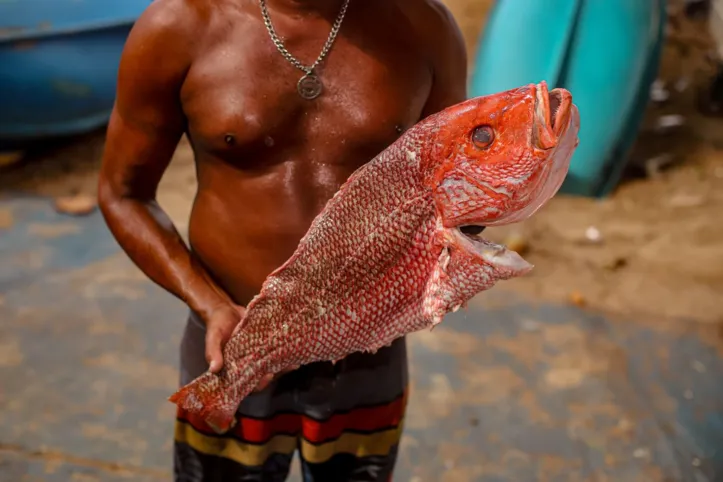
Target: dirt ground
{"points": [[659, 252]]}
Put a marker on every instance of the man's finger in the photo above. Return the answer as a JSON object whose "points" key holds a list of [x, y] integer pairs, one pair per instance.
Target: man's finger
{"points": [[214, 355], [241, 312]]}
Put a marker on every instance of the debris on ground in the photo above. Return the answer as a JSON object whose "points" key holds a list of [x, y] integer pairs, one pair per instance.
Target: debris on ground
{"points": [[655, 166], [518, 243], [78, 205], [683, 200], [593, 235], [577, 299]]}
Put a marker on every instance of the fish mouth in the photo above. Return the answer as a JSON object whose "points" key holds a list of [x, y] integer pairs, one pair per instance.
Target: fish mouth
{"points": [[555, 129], [551, 117], [505, 261]]}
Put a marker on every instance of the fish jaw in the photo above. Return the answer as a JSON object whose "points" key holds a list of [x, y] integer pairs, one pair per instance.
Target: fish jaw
{"points": [[467, 265], [504, 263]]}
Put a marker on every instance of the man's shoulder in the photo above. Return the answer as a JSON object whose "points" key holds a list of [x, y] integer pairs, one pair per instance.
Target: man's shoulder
{"points": [[161, 45], [437, 12], [444, 48], [166, 36], [435, 24], [173, 18], [431, 16]]}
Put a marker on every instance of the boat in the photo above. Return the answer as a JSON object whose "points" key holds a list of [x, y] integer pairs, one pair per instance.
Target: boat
{"points": [[58, 65], [606, 52]]}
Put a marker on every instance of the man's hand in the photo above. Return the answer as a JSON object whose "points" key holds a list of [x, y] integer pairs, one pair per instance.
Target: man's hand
{"points": [[221, 324]]}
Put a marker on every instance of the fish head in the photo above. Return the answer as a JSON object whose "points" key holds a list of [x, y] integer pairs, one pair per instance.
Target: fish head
{"points": [[497, 159]]}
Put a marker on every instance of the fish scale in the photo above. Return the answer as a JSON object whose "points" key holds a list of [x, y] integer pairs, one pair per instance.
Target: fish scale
{"points": [[381, 261]]}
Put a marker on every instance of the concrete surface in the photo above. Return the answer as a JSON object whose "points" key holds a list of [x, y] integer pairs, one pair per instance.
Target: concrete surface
{"points": [[513, 392]]}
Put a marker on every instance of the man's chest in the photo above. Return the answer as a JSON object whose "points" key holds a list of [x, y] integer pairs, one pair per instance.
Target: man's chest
{"points": [[241, 94]]}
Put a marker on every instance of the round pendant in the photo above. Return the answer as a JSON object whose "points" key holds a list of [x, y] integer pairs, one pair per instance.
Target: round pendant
{"points": [[309, 87]]}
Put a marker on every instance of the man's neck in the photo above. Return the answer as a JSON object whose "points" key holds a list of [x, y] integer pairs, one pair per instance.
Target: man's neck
{"points": [[297, 6]]}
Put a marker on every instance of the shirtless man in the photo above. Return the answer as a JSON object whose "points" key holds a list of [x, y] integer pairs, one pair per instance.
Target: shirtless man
{"points": [[268, 157]]}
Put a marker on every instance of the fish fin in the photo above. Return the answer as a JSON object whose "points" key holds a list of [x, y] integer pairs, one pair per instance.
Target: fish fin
{"points": [[215, 398], [212, 406]]}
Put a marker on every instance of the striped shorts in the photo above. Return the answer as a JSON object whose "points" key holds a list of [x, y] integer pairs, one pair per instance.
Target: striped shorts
{"points": [[345, 421]]}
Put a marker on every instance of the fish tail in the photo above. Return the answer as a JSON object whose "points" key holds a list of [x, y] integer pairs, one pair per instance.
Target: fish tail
{"points": [[214, 399]]}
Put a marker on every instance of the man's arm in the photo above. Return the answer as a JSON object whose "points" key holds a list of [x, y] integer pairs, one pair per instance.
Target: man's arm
{"points": [[146, 124], [448, 58]]}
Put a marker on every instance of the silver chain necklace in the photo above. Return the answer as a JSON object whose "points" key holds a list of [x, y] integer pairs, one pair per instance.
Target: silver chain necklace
{"points": [[309, 86]]}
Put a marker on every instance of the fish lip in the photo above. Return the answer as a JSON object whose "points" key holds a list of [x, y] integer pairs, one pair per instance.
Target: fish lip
{"points": [[560, 111], [551, 115]]}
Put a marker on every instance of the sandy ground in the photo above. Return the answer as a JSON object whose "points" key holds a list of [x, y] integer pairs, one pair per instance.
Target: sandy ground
{"points": [[660, 250]]}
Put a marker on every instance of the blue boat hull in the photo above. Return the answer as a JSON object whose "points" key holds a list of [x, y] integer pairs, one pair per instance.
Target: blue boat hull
{"points": [[606, 52], [59, 86], [58, 75]]}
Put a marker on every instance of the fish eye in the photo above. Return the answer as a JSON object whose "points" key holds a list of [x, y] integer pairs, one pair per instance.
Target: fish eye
{"points": [[483, 136]]}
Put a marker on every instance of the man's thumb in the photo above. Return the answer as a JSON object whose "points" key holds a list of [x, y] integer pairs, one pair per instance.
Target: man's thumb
{"points": [[214, 355]]}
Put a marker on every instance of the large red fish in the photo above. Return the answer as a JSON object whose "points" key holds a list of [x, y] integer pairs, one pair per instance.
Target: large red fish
{"points": [[398, 247]]}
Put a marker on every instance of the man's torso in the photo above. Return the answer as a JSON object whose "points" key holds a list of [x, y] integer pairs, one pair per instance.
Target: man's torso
{"points": [[267, 159]]}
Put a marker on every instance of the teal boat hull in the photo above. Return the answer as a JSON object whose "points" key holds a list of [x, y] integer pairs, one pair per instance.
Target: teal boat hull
{"points": [[606, 52]]}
